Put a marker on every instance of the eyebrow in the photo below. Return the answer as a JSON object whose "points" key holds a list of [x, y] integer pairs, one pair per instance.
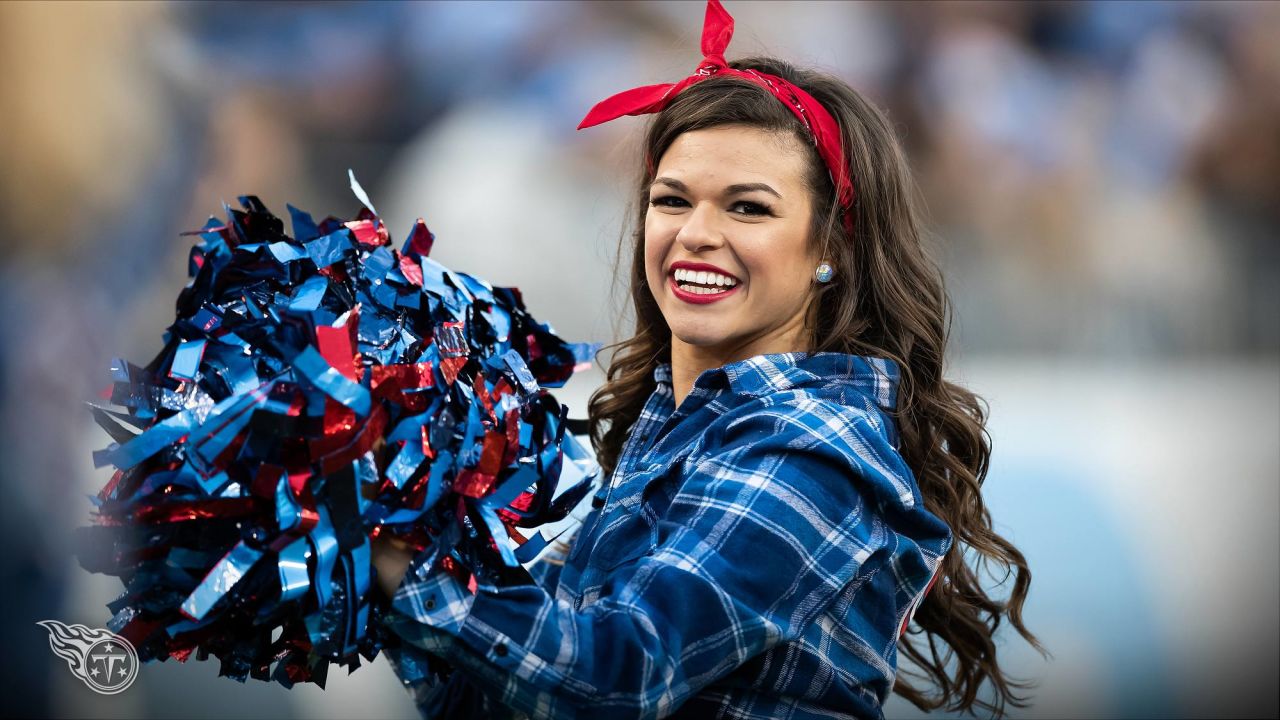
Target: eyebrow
{"points": [[737, 189]]}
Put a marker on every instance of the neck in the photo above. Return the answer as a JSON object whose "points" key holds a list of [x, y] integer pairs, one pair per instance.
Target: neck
{"points": [[689, 361]]}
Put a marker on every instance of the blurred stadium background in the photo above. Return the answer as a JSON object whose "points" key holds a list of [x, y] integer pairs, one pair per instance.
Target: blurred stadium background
{"points": [[1103, 179]]}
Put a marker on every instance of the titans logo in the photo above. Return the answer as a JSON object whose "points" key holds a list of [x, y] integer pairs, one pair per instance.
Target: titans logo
{"points": [[105, 662]]}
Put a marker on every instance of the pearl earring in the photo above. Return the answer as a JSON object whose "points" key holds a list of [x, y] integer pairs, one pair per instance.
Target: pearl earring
{"points": [[825, 272]]}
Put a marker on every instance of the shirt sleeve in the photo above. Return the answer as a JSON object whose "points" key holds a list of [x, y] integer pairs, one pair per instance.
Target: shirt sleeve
{"points": [[758, 539]]}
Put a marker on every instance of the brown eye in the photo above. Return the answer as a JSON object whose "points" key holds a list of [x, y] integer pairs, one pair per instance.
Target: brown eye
{"points": [[670, 201], [750, 209]]}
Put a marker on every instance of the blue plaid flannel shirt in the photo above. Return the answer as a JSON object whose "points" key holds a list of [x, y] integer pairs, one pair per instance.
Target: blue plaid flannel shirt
{"points": [[755, 554]]}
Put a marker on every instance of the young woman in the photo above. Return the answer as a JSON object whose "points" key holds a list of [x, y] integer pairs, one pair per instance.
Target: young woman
{"points": [[791, 480]]}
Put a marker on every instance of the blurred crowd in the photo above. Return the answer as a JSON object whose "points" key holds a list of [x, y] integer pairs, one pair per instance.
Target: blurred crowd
{"points": [[1102, 178]]}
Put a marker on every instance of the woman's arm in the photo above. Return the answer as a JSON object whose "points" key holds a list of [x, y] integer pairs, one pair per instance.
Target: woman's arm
{"points": [[392, 557], [757, 541]]}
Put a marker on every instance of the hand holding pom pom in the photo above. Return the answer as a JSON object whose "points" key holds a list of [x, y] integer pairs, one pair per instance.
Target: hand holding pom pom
{"points": [[391, 558]]}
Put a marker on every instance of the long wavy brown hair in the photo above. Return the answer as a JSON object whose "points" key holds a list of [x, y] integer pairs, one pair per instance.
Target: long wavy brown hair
{"points": [[887, 300]]}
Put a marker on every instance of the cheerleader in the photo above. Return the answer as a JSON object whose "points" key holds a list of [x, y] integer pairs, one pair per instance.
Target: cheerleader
{"points": [[792, 487]]}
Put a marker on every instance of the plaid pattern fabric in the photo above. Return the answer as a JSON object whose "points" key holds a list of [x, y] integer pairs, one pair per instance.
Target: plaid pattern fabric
{"points": [[754, 555]]}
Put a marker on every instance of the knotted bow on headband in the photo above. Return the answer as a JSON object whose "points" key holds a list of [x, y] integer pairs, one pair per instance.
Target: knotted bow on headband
{"points": [[717, 31]]}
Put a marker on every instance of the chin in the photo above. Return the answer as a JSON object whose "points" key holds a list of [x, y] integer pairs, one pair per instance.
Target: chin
{"points": [[702, 341], [698, 334]]}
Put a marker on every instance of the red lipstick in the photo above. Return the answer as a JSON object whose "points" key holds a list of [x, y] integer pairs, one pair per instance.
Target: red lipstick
{"points": [[695, 298]]}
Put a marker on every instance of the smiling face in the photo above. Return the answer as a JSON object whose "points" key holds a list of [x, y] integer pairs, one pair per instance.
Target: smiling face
{"points": [[726, 243]]}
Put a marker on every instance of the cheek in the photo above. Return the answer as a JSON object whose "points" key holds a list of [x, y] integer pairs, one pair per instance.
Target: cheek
{"points": [[778, 274], [655, 252]]}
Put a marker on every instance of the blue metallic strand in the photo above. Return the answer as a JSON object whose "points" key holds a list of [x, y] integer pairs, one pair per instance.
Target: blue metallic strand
{"points": [[315, 391]]}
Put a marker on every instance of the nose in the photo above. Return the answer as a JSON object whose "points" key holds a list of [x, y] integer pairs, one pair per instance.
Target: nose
{"points": [[700, 230]]}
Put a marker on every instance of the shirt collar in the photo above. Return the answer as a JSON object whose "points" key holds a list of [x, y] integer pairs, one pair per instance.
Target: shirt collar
{"points": [[766, 374]]}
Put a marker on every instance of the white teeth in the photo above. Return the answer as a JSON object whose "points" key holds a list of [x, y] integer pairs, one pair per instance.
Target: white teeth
{"points": [[710, 282]]}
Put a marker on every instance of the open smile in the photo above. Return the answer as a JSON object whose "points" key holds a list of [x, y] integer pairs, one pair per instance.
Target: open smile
{"points": [[699, 294]]}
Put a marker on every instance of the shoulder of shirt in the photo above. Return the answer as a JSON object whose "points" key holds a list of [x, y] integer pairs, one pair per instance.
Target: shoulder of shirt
{"points": [[844, 400], [848, 423], [837, 406]]}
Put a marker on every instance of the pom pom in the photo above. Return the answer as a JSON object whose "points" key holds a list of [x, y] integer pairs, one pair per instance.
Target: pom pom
{"points": [[316, 391]]}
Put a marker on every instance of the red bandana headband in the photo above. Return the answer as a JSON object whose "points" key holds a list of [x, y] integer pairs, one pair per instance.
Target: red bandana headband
{"points": [[717, 31]]}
